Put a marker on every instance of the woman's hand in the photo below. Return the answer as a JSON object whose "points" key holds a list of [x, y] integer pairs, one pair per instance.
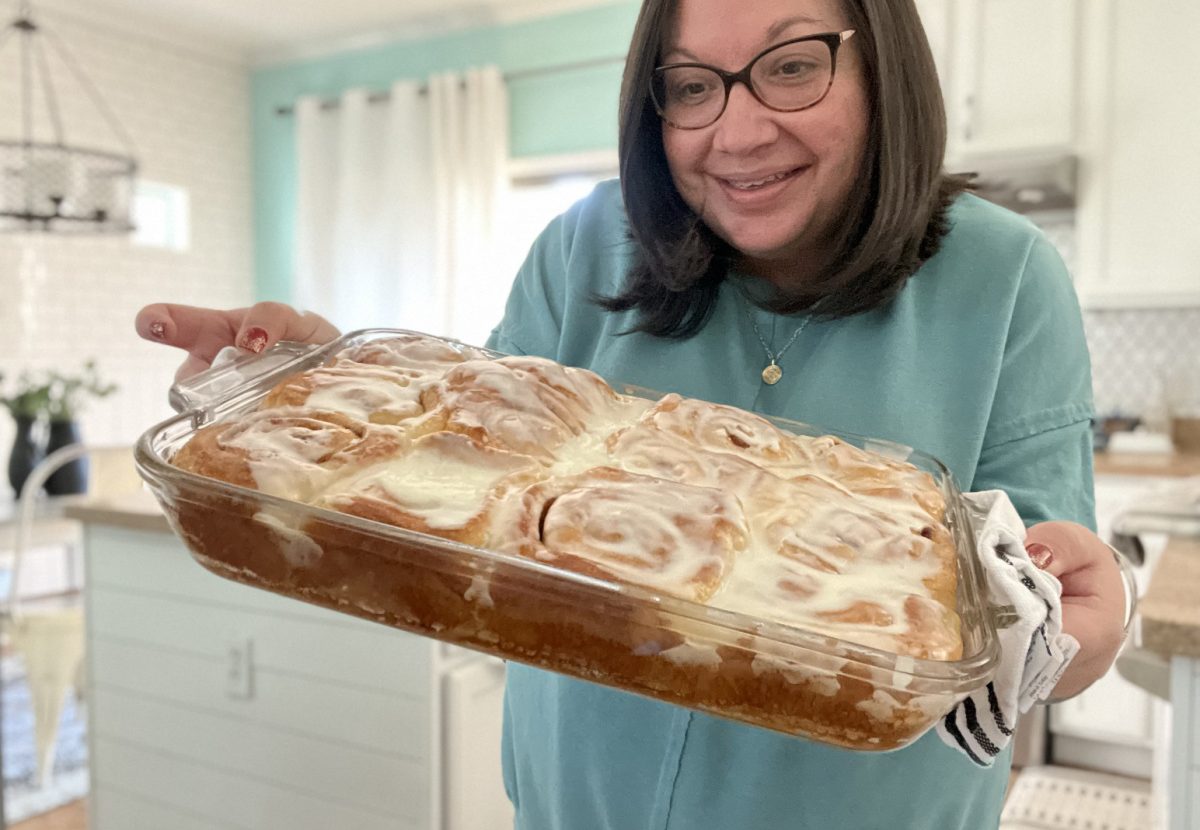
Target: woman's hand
{"points": [[1093, 598], [202, 332]]}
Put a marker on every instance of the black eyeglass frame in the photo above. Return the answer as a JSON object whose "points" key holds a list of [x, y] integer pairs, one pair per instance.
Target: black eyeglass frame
{"points": [[831, 39]]}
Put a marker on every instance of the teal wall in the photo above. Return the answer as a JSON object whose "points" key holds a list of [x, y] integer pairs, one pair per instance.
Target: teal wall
{"points": [[560, 112]]}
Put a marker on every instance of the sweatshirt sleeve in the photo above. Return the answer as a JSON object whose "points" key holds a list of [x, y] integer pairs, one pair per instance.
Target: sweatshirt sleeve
{"points": [[1038, 442]]}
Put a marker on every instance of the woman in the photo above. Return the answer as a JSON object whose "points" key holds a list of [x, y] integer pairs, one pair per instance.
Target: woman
{"points": [[784, 240]]}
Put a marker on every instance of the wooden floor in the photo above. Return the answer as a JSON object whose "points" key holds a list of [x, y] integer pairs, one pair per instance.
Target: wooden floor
{"points": [[72, 816]]}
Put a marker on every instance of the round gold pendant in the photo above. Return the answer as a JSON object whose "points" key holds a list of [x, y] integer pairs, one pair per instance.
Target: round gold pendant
{"points": [[772, 374]]}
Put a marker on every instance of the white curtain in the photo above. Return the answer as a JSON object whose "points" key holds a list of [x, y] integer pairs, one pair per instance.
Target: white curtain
{"points": [[397, 206]]}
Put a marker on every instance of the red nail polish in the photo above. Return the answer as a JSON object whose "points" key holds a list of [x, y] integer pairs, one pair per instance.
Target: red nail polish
{"points": [[157, 330], [254, 340], [1040, 555]]}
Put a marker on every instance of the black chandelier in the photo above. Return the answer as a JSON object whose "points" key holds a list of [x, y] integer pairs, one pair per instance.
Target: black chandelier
{"points": [[49, 185]]}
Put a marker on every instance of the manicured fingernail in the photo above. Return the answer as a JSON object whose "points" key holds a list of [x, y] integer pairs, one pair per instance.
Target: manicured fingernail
{"points": [[158, 330], [1040, 555], [254, 340]]}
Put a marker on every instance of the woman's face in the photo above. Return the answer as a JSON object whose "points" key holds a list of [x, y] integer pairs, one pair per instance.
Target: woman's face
{"points": [[773, 185]]}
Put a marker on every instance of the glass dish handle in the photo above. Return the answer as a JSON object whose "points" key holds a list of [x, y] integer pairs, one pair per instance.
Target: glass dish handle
{"points": [[231, 369]]}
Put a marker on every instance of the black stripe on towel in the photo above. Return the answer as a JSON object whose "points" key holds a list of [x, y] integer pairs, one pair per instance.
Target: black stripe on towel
{"points": [[977, 732], [1041, 629], [1025, 578], [952, 729], [997, 712]]}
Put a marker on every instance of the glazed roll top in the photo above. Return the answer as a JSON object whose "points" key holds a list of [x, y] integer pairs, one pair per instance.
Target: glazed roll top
{"points": [[548, 464]]}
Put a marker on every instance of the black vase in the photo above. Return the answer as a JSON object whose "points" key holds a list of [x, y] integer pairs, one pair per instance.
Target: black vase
{"points": [[71, 477], [27, 451]]}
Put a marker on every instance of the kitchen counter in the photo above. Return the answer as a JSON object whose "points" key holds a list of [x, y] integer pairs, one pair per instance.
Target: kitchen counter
{"points": [[1170, 610], [1170, 627], [200, 685], [1179, 465], [133, 511]]}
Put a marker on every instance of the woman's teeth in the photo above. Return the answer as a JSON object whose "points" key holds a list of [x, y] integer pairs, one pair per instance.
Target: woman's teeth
{"points": [[757, 183]]}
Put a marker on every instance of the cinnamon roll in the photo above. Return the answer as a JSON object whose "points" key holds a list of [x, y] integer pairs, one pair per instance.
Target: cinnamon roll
{"points": [[414, 352], [443, 484], [547, 469], [869, 570], [725, 429], [291, 453], [378, 394], [646, 449], [612, 525], [527, 405]]}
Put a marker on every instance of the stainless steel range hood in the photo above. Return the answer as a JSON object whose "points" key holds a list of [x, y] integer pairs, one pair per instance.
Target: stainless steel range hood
{"points": [[1024, 182]]}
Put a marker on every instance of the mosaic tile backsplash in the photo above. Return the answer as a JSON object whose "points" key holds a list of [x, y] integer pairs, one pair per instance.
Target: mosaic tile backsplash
{"points": [[1145, 362]]}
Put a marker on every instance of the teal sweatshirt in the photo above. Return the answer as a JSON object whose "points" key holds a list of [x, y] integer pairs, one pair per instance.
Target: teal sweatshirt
{"points": [[980, 361]]}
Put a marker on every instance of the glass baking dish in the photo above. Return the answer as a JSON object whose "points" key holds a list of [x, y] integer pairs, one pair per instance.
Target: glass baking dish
{"points": [[753, 670]]}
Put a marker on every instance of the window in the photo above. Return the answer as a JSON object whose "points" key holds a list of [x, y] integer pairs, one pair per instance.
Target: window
{"points": [[540, 190], [161, 215]]}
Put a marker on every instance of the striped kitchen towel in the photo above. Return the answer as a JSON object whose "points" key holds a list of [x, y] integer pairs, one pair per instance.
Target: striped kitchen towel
{"points": [[1034, 649]]}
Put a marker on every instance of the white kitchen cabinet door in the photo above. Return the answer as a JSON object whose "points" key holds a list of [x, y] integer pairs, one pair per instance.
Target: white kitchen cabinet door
{"points": [[473, 790], [1138, 211], [1012, 79], [1112, 710], [1112, 725]]}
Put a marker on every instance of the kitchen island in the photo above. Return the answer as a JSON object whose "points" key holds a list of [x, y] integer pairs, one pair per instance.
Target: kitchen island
{"points": [[215, 705], [1170, 614]]}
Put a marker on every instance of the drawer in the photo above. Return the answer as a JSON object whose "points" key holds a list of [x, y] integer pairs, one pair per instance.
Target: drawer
{"points": [[364, 654]]}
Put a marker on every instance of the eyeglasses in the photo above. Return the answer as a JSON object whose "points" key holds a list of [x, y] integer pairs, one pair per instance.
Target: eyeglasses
{"points": [[790, 76]]}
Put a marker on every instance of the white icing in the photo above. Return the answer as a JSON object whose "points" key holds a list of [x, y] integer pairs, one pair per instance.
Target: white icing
{"points": [[672, 537], [285, 454], [807, 532], [358, 400], [881, 706], [692, 654], [298, 547], [445, 479], [480, 591], [821, 681]]}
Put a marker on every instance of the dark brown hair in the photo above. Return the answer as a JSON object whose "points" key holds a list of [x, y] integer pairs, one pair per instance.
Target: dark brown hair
{"points": [[895, 219]]}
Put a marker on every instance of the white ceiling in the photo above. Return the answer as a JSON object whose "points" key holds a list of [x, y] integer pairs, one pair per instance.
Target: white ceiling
{"points": [[267, 30]]}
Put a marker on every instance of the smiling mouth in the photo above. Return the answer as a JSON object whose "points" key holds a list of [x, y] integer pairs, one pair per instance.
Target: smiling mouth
{"points": [[757, 184]]}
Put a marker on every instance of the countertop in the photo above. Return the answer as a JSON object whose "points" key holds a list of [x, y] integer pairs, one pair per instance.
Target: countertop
{"points": [[133, 511], [1147, 464], [1170, 609]]}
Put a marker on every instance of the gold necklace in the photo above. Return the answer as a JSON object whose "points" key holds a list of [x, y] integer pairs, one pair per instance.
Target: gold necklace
{"points": [[772, 372]]}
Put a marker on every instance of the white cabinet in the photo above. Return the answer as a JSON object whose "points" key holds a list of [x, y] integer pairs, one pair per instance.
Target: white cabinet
{"points": [[213, 705], [474, 797], [1110, 82], [1184, 790], [1009, 73], [1014, 73], [1113, 725], [1138, 210]]}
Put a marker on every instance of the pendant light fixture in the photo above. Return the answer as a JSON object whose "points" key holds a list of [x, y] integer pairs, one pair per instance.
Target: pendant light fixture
{"points": [[50, 182]]}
